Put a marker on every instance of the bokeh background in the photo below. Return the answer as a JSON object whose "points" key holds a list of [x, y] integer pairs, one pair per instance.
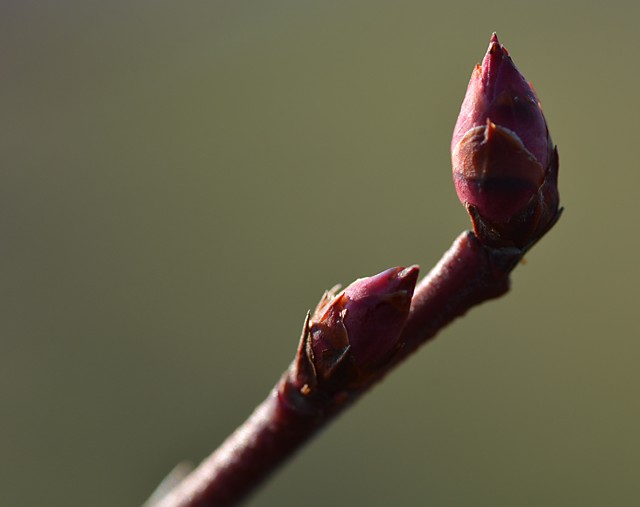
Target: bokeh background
{"points": [[180, 181]]}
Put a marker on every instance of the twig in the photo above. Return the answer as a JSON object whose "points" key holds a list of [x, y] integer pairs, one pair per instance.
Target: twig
{"points": [[468, 274], [505, 170]]}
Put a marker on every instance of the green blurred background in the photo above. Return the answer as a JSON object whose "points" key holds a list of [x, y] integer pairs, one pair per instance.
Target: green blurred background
{"points": [[180, 181]]}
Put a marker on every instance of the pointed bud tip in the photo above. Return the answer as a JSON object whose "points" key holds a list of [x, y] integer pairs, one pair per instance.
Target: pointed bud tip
{"points": [[404, 278], [409, 278], [494, 45], [493, 59], [386, 282], [411, 273]]}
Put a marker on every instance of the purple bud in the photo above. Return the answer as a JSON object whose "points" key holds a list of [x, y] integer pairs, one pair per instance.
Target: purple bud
{"points": [[361, 325], [504, 163], [498, 92]]}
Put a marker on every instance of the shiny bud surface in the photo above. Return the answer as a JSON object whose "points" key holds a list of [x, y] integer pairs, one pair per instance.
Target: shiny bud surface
{"points": [[504, 162], [361, 325]]}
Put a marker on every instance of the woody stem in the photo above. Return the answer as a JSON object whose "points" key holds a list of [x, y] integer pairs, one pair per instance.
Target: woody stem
{"points": [[467, 275]]}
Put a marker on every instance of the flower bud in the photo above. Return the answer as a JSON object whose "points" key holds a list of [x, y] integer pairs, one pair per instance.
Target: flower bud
{"points": [[358, 329], [504, 162]]}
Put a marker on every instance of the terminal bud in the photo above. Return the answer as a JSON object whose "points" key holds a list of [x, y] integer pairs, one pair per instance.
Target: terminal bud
{"points": [[504, 163]]}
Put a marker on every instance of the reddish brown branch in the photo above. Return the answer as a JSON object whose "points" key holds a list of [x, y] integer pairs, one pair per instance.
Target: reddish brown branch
{"points": [[270, 435], [505, 168], [468, 274]]}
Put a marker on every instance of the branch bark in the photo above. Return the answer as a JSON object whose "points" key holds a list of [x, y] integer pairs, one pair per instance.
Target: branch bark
{"points": [[505, 168], [468, 274]]}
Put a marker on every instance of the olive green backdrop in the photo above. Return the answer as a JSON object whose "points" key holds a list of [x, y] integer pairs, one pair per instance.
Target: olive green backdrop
{"points": [[180, 181]]}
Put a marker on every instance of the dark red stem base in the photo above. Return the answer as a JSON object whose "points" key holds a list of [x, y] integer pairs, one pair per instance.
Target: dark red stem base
{"points": [[270, 435]]}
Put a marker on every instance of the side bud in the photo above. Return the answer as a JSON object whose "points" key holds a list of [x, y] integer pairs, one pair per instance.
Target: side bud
{"points": [[504, 163], [353, 333]]}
